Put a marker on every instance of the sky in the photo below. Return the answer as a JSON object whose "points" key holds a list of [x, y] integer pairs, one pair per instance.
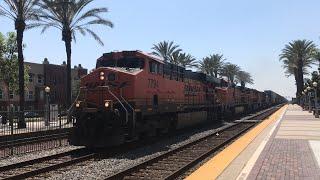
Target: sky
{"points": [[248, 33]]}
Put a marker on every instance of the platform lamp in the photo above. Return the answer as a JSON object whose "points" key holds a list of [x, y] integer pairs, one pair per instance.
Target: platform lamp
{"points": [[315, 85], [47, 90], [309, 96]]}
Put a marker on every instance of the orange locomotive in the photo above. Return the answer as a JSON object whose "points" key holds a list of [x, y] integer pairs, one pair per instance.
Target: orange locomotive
{"points": [[133, 94]]}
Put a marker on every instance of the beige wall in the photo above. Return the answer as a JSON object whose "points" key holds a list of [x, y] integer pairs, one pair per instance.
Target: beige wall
{"points": [[33, 85], [36, 70]]}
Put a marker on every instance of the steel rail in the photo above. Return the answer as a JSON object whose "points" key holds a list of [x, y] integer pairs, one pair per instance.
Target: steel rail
{"points": [[31, 138], [133, 172], [48, 163], [30, 169]]}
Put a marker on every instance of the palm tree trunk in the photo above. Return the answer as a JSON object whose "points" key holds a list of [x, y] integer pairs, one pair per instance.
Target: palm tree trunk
{"points": [[300, 79], [68, 51], [216, 74], [20, 30], [295, 72]]}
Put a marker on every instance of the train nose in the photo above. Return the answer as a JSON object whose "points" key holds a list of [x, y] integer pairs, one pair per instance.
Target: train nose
{"points": [[101, 129]]}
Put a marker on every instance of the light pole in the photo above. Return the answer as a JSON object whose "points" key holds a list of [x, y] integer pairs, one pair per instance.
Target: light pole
{"points": [[315, 85], [306, 98], [303, 99], [46, 121], [309, 96]]}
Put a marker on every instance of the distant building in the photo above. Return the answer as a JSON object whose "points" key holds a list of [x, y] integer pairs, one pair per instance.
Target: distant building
{"points": [[41, 76]]}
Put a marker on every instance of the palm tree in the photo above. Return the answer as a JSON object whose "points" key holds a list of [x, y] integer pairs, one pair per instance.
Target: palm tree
{"points": [[297, 56], [20, 11], [244, 78], [205, 66], [165, 50], [69, 17], [212, 65], [188, 61], [183, 59], [230, 71], [316, 56]]}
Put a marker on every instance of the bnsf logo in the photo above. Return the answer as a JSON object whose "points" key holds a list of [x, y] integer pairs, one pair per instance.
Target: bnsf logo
{"points": [[189, 88]]}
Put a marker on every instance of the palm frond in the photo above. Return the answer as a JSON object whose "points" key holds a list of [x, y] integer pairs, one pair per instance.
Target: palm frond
{"points": [[166, 50], [68, 16], [95, 36], [298, 52], [22, 10], [89, 14]]}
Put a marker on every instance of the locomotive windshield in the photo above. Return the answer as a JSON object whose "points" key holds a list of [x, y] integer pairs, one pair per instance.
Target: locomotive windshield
{"points": [[134, 63]]}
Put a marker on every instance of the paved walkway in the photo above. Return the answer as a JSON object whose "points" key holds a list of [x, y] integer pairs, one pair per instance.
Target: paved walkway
{"points": [[285, 146], [293, 149]]}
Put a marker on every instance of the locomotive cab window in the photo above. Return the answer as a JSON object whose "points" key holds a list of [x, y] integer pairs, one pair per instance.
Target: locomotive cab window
{"points": [[155, 67], [126, 62]]}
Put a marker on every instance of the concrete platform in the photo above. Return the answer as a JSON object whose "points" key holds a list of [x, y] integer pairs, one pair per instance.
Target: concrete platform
{"points": [[285, 146]]}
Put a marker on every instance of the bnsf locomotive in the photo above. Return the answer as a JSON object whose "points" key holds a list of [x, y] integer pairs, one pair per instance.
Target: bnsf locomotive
{"points": [[132, 94]]}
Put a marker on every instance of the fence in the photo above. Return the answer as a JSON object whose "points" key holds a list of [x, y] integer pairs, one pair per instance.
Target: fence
{"points": [[40, 130]]}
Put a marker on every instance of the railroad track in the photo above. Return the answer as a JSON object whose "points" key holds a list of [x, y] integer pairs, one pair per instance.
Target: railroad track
{"points": [[22, 139], [33, 140], [173, 163], [30, 142], [45, 164]]}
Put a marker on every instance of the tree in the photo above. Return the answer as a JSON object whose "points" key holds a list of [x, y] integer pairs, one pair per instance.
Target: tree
{"points": [[9, 66], [230, 71], [297, 57], [244, 78], [316, 56], [2, 46], [20, 11], [183, 59], [205, 66], [166, 50], [212, 65], [69, 17]]}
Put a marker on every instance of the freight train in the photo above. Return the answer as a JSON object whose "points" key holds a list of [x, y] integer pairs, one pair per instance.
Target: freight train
{"points": [[133, 94]]}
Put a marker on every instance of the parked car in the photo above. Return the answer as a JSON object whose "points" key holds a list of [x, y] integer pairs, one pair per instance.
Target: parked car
{"points": [[31, 115]]}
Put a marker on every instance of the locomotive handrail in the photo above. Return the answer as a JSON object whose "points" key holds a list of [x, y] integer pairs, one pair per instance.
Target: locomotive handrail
{"points": [[133, 112], [71, 108], [119, 102]]}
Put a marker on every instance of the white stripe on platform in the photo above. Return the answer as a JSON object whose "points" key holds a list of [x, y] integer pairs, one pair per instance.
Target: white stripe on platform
{"points": [[247, 169], [315, 146]]}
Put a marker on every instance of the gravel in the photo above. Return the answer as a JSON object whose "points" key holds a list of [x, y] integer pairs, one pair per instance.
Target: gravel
{"points": [[35, 155], [101, 169]]}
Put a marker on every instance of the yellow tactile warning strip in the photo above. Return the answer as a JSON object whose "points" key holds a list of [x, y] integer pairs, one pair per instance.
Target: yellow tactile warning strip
{"points": [[214, 167]]}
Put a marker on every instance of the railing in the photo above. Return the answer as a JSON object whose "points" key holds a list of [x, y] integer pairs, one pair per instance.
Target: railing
{"points": [[43, 130]]}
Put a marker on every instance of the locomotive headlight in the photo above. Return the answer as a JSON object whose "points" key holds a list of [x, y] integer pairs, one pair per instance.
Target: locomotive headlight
{"points": [[101, 78], [101, 73], [78, 104], [108, 104]]}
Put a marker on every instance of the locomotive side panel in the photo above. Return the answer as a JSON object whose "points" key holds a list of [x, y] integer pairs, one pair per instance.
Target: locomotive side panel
{"points": [[133, 94]]}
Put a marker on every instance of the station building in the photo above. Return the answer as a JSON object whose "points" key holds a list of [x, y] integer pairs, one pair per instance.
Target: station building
{"points": [[41, 76]]}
